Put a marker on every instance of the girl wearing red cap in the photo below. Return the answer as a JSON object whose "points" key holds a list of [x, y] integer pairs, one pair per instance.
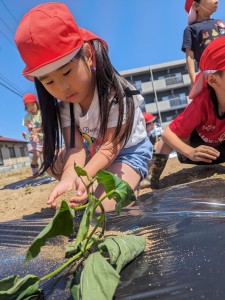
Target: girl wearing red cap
{"points": [[33, 121], [85, 98], [198, 133], [150, 127]]}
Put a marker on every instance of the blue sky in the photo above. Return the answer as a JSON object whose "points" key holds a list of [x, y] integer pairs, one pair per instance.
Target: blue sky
{"points": [[139, 33]]}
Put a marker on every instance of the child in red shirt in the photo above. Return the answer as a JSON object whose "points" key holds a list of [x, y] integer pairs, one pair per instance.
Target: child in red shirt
{"points": [[198, 133]]}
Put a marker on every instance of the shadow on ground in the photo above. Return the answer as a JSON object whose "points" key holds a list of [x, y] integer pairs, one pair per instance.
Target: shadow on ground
{"points": [[191, 174], [29, 182]]}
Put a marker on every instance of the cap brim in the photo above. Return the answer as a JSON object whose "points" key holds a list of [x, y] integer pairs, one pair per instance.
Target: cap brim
{"points": [[152, 120], [192, 16], [51, 66]]}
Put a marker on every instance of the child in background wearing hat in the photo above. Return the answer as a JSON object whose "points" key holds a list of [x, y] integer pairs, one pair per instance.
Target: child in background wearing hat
{"points": [[198, 133], [33, 121], [201, 30], [151, 132], [82, 95], [150, 127]]}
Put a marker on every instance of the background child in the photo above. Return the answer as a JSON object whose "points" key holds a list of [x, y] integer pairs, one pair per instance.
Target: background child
{"points": [[200, 31], [150, 127], [151, 132], [33, 122], [198, 133], [97, 104]]}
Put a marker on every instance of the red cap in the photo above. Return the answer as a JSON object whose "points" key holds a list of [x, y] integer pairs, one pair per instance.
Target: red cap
{"points": [[192, 15], [149, 117], [212, 60], [213, 57], [188, 5], [48, 37], [29, 98]]}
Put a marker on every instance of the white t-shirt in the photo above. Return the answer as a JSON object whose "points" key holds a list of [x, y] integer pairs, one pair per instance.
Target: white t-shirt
{"points": [[89, 124]]}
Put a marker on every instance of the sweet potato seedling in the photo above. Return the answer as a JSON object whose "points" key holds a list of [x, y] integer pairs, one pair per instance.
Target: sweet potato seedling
{"points": [[97, 277]]}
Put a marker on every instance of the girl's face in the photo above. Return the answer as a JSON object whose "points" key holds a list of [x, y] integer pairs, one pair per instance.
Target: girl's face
{"points": [[73, 82], [32, 107]]}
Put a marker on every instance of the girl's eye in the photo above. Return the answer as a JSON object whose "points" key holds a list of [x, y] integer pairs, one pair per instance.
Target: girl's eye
{"points": [[50, 82], [68, 72]]}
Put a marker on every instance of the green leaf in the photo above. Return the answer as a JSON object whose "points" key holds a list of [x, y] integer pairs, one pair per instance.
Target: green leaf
{"points": [[16, 288], [123, 193], [75, 286], [71, 249], [61, 224], [8, 282], [99, 279], [123, 249], [86, 220], [112, 248], [31, 292], [80, 171]]}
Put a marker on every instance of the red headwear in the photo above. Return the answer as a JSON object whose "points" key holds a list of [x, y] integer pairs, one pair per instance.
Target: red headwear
{"points": [[149, 117], [212, 60], [29, 98], [192, 15], [48, 37]]}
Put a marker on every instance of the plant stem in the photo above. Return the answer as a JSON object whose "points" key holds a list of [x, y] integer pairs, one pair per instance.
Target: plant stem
{"points": [[67, 263], [103, 221], [100, 220], [80, 207], [103, 198]]}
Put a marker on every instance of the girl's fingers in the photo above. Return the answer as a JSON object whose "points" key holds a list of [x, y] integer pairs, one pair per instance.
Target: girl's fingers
{"points": [[51, 199], [79, 199]]}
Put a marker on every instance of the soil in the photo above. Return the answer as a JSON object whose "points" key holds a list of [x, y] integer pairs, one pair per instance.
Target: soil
{"points": [[23, 201]]}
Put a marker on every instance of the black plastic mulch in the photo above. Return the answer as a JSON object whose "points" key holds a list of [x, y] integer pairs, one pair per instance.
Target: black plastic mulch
{"points": [[185, 258]]}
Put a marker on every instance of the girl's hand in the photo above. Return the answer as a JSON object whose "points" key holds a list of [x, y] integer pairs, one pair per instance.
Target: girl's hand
{"points": [[81, 194], [34, 135], [61, 188], [204, 153]]}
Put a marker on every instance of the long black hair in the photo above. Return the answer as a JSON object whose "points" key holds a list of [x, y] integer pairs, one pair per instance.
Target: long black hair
{"points": [[108, 81]]}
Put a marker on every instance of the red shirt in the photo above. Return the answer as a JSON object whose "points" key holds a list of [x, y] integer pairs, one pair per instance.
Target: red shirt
{"points": [[200, 115]]}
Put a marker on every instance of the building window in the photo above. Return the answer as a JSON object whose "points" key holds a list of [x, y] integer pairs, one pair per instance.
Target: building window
{"points": [[22, 152], [176, 100], [137, 85], [170, 118], [11, 152], [174, 79], [143, 77], [149, 98], [1, 158]]}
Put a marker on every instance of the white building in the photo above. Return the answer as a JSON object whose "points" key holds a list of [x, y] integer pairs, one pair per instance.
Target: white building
{"points": [[165, 88], [13, 154]]}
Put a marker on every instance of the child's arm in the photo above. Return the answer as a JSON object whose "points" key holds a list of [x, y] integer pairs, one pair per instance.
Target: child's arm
{"points": [[156, 142], [68, 177], [190, 65], [101, 160], [201, 153]]}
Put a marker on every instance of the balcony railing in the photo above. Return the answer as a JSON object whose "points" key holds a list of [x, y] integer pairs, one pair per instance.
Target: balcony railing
{"points": [[177, 101], [173, 80]]}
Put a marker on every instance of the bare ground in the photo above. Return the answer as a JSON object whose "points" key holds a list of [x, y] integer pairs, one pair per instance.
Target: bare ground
{"points": [[16, 203]]}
